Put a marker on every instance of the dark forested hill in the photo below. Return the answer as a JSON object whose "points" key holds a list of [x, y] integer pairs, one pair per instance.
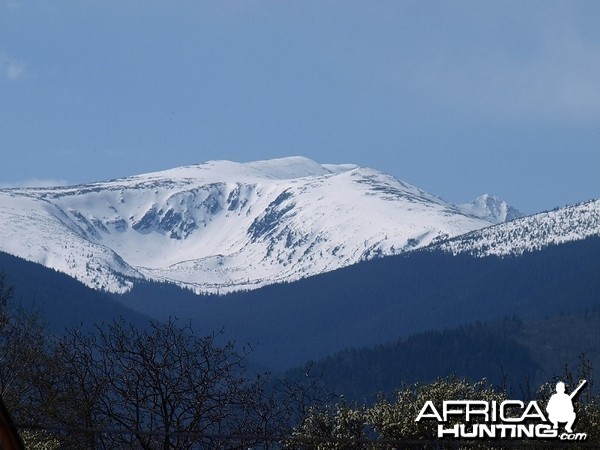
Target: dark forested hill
{"points": [[61, 301], [473, 351], [366, 304], [382, 300], [513, 354]]}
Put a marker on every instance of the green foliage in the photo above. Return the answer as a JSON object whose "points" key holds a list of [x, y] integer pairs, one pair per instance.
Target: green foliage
{"points": [[336, 427], [392, 422], [39, 440], [343, 427], [586, 404], [397, 420], [588, 419]]}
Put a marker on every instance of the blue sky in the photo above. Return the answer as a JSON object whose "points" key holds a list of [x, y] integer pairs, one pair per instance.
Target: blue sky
{"points": [[457, 97]]}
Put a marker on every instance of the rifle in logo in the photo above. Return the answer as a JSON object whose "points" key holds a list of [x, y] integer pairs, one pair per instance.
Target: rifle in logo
{"points": [[560, 406], [507, 419]]}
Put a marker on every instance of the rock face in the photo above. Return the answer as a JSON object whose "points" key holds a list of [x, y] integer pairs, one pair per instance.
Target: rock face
{"points": [[225, 226]]}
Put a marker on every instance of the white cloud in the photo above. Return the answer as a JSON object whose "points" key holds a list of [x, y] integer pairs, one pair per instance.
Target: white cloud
{"points": [[34, 182], [14, 70], [10, 68]]}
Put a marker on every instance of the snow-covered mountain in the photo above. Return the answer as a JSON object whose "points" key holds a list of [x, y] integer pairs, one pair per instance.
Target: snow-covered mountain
{"points": [[491, 208], [531, 233], [224, 226]]}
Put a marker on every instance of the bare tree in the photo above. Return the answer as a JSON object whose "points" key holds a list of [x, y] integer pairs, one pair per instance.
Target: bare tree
{"points": [[23, 356], [163, 386], [6, 295], [166, 385]]}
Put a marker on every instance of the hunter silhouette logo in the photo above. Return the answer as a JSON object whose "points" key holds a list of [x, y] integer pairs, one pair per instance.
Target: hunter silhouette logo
{"points": [[560, 406], [508, 419]]}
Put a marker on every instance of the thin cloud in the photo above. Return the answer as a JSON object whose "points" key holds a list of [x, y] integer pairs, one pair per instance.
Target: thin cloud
{"points": [[555, 73], [10, 68], [34, 182], [10, 4], [561, 81]]}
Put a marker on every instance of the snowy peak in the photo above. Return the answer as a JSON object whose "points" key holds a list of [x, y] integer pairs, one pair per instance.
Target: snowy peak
{"points": [[289, 168], [491, 208], [224, 226], [530, 233], [295, 167]]}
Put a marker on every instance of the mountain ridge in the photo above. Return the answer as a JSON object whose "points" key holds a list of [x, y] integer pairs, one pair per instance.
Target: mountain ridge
{"points": [[382, 299], [530, 233], [223, 226]]}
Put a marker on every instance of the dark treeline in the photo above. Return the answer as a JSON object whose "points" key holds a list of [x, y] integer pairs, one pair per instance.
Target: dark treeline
{"points": [[514, 355], [366, 304], [474, 352], [62, 300]]}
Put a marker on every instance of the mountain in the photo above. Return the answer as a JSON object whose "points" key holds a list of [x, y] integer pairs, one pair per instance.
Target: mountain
{"points": [[519, 355], [223, 226], [383, 299], [474, 351], [534, 267], [60, 301], [491, 208], [552, 269], [531, 233]]}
